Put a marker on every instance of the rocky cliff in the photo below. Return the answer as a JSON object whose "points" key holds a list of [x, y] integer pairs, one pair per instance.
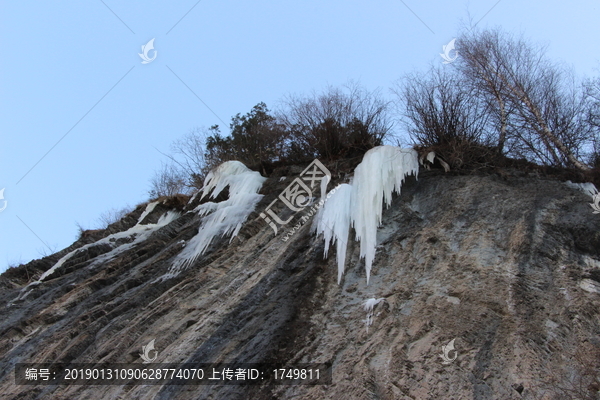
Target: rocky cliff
{"points": [[507, 265]]}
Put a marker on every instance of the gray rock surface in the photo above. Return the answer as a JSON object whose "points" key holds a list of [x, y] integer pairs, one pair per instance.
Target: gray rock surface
{"points": [[508, 266]]}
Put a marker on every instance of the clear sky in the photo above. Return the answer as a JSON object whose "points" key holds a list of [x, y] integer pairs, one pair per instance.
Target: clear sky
{"points": [[81, 116]]}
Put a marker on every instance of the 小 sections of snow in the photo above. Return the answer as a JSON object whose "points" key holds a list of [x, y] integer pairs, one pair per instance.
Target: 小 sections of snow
{"points": [[194, 197], [360, 204], [587, 188], [147, 211], [223, 218], [431, 157], [139, 232], [368, 305]]}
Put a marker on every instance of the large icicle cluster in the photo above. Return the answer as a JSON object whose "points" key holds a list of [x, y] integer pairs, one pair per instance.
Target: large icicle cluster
{"points": [[226, 217], [360, 204]]}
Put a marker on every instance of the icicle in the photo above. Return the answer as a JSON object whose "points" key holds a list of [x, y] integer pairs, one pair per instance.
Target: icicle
{"points": [[360, 204], [368, 305], [226, 217], [333, 220], [148, 210], [381, 172]]}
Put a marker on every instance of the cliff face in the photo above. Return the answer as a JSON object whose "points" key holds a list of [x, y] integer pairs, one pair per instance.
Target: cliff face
{"points": [[507, 266]]}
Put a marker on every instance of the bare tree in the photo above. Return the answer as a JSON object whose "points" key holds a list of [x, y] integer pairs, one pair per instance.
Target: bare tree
{"points": [[192, 147], [336, 122], [113, 215], [592, 89], [168, 181], [480, 64], [437, 109], [531, 98], [190, 155], [443, 115]]}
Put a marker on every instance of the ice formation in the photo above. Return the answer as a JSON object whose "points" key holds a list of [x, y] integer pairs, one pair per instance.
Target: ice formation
{"points": [[360, 204], [138, 232], [226, 217], [368, 305], [333, 220], [381, 172], [430, 158], [148, 210], [141, 232], [587, 188]]}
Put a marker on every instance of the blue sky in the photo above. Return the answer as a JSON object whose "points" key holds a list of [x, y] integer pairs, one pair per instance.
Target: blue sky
{"points": [[77, 105]]}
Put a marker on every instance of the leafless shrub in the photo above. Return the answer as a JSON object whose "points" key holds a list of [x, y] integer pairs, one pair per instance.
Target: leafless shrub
{"points": [[190, 155], [80, 229], [47, 250], [335, 123], [168, 181], [442, 115], [113, 215]]}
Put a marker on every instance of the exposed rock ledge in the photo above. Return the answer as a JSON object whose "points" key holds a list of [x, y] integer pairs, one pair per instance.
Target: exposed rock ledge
{"points": [[509, 267]]}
